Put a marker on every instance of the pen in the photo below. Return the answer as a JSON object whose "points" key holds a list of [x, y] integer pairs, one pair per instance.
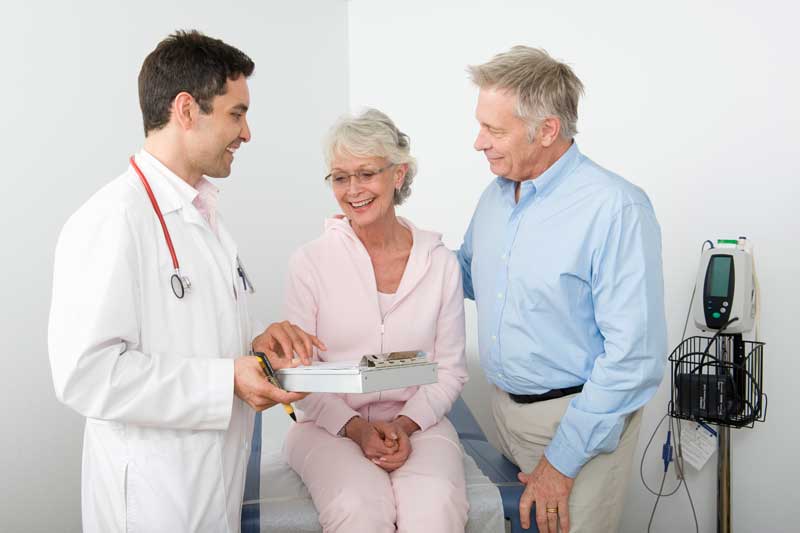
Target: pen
{"points": [[267, 367]]}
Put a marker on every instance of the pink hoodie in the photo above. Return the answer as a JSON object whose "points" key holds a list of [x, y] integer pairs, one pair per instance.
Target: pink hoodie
{"points": [[331, 292]]}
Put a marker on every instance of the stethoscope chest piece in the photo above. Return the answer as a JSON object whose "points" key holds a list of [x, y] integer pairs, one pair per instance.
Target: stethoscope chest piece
{"points": [[180, 285]]}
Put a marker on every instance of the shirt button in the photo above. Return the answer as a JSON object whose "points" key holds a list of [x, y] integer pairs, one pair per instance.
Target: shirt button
{"points": [[494, 337], [503, 256], [499, 295]]}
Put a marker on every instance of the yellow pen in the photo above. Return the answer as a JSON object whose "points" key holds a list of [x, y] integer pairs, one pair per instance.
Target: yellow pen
{"points": [[270, 373]]}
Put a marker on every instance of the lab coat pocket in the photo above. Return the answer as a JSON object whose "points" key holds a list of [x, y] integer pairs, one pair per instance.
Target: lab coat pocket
{"points": [[179, 480]]}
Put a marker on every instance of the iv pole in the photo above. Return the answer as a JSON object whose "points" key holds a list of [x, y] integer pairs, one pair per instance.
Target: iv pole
{"points": [[736, 358], [724, 481]]}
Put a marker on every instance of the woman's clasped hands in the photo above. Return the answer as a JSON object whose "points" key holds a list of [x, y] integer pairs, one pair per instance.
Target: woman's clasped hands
{"points": [[387, 444]]}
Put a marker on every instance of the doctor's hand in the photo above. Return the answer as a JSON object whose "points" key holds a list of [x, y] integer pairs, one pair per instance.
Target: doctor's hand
{"points": [[550, 489], [282, 340], [251, 385]]}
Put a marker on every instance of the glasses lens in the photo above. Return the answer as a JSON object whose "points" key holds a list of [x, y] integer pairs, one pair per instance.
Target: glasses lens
{"points": [[338, 179], [366, 175]]}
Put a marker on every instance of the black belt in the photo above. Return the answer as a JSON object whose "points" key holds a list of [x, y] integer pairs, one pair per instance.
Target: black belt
{"points": [[549, 395]]}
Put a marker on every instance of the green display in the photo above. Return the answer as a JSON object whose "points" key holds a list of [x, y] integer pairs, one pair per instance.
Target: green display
{"points": [[720, 275]]}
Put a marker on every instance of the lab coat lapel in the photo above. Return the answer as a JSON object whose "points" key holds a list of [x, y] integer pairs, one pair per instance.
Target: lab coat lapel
{"points": [[227, 242], [192, 216], [231, 253]]}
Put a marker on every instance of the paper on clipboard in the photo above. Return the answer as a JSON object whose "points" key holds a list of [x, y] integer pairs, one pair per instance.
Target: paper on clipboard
{"points": [[373, 373]]}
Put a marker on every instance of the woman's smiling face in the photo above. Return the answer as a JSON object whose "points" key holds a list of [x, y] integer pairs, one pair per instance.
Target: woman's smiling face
{"points": [[365, 186]]}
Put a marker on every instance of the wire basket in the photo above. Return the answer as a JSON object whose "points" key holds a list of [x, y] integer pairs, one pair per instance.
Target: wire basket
{"points": [[718, 380]]}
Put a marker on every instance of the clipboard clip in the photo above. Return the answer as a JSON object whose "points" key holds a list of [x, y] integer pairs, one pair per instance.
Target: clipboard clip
{"points": [[393, 359]]}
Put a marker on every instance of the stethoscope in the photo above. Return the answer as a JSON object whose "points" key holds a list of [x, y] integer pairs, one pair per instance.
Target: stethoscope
{"points": [[180, 284]]}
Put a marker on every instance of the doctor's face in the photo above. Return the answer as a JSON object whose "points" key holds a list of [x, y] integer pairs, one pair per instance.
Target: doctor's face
{"points": [[219, 134]]}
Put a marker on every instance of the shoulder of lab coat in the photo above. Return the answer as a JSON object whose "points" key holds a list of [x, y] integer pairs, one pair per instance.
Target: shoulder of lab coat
{"points": [[95, 320]]}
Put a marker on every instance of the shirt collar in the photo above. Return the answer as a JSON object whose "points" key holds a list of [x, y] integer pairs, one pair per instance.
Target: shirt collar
{"points": [[206, 189], [549, 177], [171, 192]]}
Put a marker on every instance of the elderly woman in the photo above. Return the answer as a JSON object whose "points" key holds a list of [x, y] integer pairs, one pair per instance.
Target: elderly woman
{"points": [[373, 283]]}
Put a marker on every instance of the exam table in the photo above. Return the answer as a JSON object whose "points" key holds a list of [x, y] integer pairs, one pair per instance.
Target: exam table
{"points": [[276, 501]]}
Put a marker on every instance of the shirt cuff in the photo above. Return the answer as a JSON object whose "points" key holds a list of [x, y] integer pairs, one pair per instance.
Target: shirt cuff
{"points": [[564, 457], [336, 417], [343, 431], [421, 415]]}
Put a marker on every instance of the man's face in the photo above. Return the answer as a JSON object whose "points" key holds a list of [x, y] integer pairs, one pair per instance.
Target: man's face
{"points": [[503, 136], [219, 134]]}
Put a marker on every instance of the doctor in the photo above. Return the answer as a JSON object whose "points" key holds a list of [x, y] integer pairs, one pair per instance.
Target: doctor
{"points": [[149, 316]]}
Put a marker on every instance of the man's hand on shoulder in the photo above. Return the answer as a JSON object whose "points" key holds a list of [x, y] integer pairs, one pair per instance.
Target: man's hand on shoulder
{"points": [[549, 489]]}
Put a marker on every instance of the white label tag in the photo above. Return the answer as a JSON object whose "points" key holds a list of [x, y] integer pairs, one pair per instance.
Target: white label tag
{"points": [[698, 444]]}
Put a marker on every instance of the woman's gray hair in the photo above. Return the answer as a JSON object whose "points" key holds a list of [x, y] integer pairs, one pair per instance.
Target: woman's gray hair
{"points": [[373, 134], [544, 87]]}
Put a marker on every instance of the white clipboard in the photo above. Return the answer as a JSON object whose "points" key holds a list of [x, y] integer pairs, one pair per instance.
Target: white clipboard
{"points": [[373, 373]]}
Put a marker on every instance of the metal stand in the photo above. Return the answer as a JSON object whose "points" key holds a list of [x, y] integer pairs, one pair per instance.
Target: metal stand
{"points": [[736, 355], [724, 481], [719, 380]]}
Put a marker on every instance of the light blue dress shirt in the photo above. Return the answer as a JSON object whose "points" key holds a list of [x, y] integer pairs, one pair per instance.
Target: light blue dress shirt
{"points": [[569, 289]]}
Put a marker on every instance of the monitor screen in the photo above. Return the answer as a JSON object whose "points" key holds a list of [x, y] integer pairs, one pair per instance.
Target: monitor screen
{"points": [[720, 270]]}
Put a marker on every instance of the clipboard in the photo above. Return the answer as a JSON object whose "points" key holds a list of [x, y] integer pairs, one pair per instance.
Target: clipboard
{"points": [[372, 373]]}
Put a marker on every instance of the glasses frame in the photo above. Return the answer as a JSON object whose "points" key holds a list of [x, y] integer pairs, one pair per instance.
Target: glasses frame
{"points": [[330, 182]]}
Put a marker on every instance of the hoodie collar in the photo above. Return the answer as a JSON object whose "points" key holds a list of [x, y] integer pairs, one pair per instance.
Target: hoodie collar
{"points": [[423, 240], [419, 259]]}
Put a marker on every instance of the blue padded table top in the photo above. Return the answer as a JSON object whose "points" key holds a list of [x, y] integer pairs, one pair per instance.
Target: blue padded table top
{"points": [[492, 463]]}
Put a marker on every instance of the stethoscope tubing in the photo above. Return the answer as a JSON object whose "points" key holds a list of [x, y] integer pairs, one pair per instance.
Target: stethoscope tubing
{"points": [[179, 284]]}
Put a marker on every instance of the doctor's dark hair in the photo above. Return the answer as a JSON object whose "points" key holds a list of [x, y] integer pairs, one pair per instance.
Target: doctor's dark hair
{"points": [[187, 61]]}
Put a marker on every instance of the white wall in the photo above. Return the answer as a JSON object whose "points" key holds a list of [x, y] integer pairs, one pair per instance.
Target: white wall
{"points": [[70, 120], [695, 103]]}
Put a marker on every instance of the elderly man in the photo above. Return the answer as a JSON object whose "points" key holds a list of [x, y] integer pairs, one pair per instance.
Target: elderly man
{"points": [[563, 260]]}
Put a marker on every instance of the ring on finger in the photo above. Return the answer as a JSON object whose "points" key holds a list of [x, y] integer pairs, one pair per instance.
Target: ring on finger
{"points": [[551, 510]]}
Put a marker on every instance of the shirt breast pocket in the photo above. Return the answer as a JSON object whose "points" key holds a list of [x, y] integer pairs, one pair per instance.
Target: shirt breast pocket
{"points": [[561, 282]]}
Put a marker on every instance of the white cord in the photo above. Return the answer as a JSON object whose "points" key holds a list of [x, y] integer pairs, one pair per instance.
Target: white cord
{"points": [[758, 299]]}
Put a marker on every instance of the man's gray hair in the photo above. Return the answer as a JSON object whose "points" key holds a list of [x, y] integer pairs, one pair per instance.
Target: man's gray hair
{"points": [[544, 87], [373, 134]]}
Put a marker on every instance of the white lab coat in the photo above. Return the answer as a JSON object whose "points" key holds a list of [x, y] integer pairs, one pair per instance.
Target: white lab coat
{"points": [[166, 440]]}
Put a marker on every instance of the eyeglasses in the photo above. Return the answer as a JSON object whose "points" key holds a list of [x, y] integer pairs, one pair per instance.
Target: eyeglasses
{"points": [[364, 176]]}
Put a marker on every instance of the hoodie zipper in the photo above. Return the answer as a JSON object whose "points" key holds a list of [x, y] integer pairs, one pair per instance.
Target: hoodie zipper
{"points": [[383, 331], [395, 303]]}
